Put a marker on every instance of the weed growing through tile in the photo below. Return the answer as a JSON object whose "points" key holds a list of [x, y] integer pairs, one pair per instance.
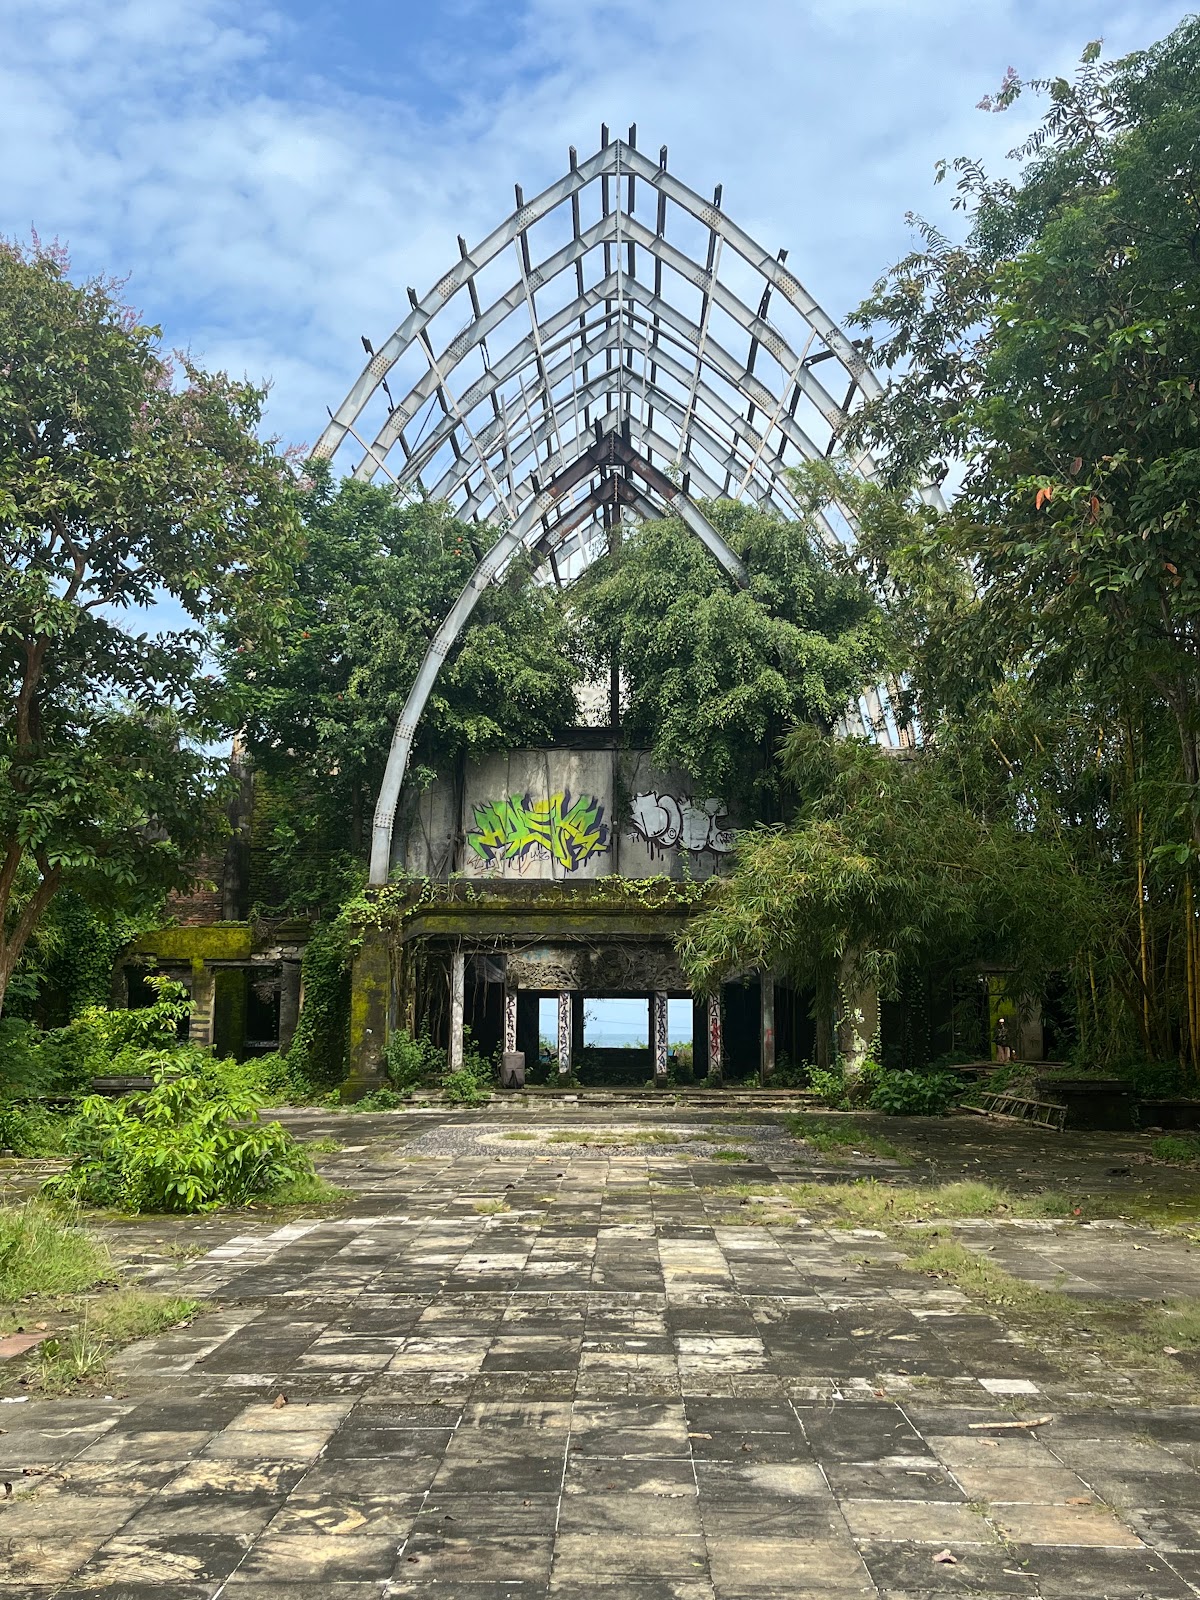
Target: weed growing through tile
{"points": [[1123, 1334], [307, 1190], [490, 1208], [326, 1145], [106, 1325]]}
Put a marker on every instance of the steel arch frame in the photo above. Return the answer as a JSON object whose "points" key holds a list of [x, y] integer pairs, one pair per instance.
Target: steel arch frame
{"points": [[574, 400]]}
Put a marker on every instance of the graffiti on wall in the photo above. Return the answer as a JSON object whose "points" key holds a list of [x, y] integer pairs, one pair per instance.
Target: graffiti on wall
{"points": [[570, 831], [676, 822]]}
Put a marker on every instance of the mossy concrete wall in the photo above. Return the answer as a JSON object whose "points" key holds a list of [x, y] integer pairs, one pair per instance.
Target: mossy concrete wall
{"points": [[219, 941], [370, 998]]}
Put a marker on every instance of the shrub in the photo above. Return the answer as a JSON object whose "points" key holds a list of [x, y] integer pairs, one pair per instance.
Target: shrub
{"points": [[472, 1083], [381, 1099], [412, 1063], [914, 1094], [97, 1043], [191, 1143], [829, 1087], [30, 1129], [789, 1074]]}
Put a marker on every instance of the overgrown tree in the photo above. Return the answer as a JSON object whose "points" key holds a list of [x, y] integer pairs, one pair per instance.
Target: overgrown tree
{"points": [[1052, 352], [715, 675], [125, 481], [889, 864], [318, 713]]}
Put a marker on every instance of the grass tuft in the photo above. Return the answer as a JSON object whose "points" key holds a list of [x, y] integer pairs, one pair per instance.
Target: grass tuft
{"points": [[308, 1190], [40, 1253], [490, 1208], [841, 1137], [1176, 1148]]}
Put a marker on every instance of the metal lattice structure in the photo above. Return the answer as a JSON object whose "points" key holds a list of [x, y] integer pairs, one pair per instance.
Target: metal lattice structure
{"points": [[616, 349]]}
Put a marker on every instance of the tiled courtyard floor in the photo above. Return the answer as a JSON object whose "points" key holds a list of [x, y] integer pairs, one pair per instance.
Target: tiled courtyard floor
{"points": [[604, 1389]]}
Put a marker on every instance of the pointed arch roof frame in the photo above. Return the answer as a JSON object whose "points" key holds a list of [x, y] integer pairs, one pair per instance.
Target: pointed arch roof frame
{"points": [[580, 401]]}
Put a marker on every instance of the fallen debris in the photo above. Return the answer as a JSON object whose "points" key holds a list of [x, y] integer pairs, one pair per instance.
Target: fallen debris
{"points": [[1035, 1422]]}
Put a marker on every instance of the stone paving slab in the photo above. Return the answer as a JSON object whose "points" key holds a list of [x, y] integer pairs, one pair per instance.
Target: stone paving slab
{"points": [[600, 1390]]}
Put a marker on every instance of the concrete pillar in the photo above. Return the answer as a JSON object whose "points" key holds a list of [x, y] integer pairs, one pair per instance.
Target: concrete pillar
{"points": [[858, 1023], [458, 966], [510, 1020], [564, 1033], [204, 994], [576, 1029], [658, 1037], [370, 996], [289, 1003], [716, 1041], [766, 1028]]}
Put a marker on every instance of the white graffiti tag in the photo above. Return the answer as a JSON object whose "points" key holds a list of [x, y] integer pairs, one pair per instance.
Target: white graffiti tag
{"points": [[670, 822]]}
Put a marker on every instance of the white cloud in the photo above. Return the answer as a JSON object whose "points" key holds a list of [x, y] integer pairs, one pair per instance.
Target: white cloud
{"points": [[269, 212]]}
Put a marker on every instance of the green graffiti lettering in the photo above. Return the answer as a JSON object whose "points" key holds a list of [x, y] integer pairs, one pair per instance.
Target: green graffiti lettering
{"points": [[569, 831]]}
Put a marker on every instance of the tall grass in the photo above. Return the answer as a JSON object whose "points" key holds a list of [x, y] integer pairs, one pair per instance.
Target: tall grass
{"points": [[40, 1253]]}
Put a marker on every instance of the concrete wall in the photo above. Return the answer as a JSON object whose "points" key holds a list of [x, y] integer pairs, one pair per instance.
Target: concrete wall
{"points": [[565, 815]]}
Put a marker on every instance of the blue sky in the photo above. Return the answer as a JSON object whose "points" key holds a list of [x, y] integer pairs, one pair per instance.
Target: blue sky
{"points": [[271, 177]]}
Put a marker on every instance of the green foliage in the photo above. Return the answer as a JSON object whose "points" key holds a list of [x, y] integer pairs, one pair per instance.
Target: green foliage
{"points": [[191, 1143], [121, 482], [472, 1084], [28, 1128], [914, 1094], [829, 1086], [110, 1322], [714, 674], [887, 865], [318, 1052], [837, 1137], [381, 1099]]}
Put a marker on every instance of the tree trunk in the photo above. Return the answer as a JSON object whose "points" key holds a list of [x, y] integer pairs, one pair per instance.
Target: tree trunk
{"points": [[12, 948]]}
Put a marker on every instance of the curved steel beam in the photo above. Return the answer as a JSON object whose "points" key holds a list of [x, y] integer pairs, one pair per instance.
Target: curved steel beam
{"points": [[667, 384]]}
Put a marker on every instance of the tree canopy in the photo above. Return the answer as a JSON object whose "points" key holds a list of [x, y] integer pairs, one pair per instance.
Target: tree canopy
{"points": [[125, 479]]}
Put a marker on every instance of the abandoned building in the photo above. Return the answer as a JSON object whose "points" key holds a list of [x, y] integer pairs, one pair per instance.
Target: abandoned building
{"points": [[616, 350]]}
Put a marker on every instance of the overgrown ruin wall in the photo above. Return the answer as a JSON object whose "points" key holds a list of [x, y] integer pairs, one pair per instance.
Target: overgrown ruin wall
{"points": [[564, 814]]}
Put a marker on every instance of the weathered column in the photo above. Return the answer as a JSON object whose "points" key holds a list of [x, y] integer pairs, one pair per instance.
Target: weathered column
{"points": [[510, 1020], [370, 994], [766, 1030], [658, 1038], [289, 1003], [716, 1041], [457, 993], [858, 1023], [565, 1020], [204, 994]]}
